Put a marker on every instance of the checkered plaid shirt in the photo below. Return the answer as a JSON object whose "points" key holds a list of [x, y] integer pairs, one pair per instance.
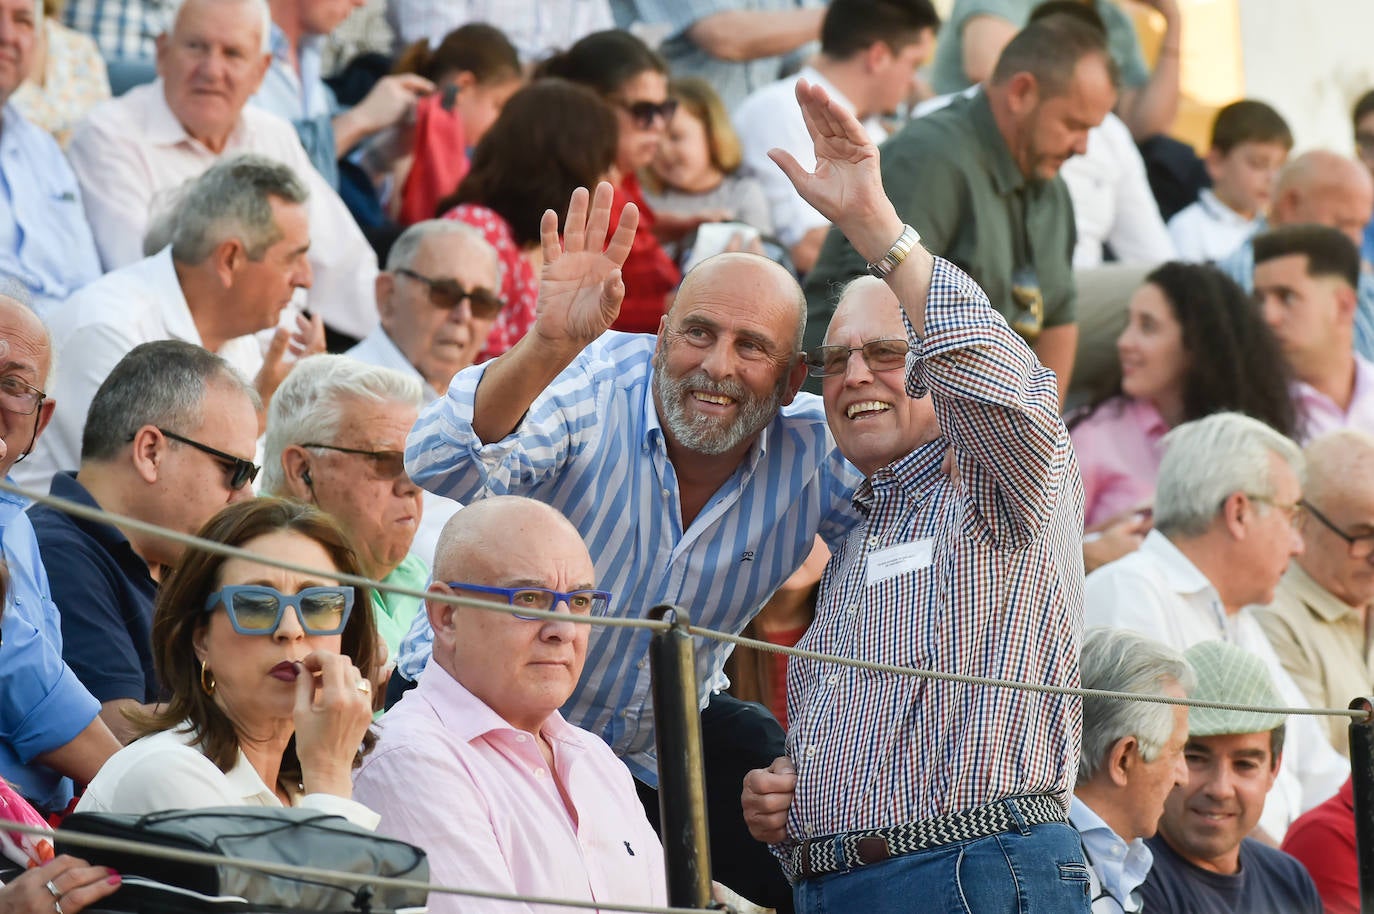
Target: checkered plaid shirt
{"points": [[122, 29], [1001, 596]]}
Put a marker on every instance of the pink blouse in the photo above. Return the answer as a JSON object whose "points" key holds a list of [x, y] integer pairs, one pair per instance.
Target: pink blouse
{"points": [[1118, 453]]}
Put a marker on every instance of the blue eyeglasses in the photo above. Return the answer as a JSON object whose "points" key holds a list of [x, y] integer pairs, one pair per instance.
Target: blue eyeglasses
{"points": [[255, 609], [580, 602]]}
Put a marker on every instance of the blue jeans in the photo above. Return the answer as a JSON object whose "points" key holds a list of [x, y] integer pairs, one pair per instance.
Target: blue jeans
{"points": [[1039, 870]]}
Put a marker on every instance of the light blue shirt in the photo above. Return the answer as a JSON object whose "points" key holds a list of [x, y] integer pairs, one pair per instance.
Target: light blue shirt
{"points": [[1116, 867], [42, 704], [303, 99], [1240, 266], [45, 242], [592, 447], [732, 80]]}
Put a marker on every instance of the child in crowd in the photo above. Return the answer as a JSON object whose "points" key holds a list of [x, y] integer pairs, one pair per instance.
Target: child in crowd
{"points": [[695, 177], [1250, 142]]}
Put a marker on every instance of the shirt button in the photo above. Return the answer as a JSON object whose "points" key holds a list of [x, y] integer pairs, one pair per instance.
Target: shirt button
{"points": [[540, 772], [810, 751], [665, 493], [873, 541], [853, 608], [521, 738], [832, 679]]}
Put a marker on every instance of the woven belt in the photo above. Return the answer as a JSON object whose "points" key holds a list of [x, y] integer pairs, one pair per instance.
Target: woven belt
{"points": [[837, 853]]}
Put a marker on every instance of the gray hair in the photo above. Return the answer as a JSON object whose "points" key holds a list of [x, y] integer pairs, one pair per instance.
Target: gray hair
{"points": [[160, 384], [260, 7], [311, 403], [1208, 460], [405, 249], [1118, 660], [230, 200]]}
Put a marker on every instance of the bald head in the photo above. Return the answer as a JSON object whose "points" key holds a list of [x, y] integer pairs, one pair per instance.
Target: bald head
{"points": [[28, 359], [1338, 463], [471, 536], [1324, 188], [749, 276]]}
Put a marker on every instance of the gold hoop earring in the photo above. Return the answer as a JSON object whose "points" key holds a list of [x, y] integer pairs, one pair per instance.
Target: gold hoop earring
{"points": [[207, 679]]}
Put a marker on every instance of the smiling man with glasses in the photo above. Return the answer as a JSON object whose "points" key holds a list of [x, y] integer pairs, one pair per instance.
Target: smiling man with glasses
{"points": [[437, 299], [1318, 621], [516, 799]]}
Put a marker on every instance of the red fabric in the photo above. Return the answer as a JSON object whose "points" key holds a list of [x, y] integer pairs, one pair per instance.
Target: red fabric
{"points": [[1323, 840], [777, 678], [649, 272], [519, 285], [440, 162]]}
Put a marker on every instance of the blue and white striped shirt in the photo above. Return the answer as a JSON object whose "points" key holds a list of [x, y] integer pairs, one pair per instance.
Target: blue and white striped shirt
{"points": [[592, 447]]}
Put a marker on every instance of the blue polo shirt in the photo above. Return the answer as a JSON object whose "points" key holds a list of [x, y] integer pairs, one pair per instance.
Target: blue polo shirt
{"points": [[42, 704], [105, 594]]}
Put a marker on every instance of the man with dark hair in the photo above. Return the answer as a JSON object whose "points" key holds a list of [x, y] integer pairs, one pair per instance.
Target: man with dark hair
{"points": [[239, 238], [1306, 278], [980, 29], [169, 440], [870, 50], [1324, 188], [1204, 860], [1250, 142], [979, 181]]}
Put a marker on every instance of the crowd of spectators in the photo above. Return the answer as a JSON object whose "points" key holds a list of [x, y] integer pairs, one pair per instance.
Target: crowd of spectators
{"points": [[835, 323]]}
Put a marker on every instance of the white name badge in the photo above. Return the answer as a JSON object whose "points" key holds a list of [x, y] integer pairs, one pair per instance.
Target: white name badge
{"points": [[899, 559]]}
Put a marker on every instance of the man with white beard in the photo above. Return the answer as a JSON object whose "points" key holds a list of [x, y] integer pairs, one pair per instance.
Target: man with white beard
{"points": [[695, 472]]}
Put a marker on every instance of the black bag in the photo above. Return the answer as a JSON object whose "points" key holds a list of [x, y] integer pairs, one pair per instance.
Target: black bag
{"points": [[304, 837]]}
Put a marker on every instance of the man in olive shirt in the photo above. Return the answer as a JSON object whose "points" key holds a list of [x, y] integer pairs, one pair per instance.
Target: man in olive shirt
{"points": [[979, 181]]}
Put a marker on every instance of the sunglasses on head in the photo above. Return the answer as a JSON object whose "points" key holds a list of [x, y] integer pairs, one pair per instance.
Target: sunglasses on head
{"points": [[643, 113], [449, 294], [878, 355], [256, 609]]}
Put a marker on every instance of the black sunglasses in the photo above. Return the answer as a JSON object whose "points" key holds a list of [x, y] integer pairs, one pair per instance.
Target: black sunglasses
{"points": [[643, 113], [449, 294], [241, 472]]}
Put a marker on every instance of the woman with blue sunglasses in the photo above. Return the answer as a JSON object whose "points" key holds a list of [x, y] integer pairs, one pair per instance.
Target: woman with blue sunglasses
{"points": [[269, 673]]}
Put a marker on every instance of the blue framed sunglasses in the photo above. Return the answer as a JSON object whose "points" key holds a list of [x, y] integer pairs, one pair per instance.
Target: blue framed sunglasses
{"points": [[256, 609], [580, 602]]}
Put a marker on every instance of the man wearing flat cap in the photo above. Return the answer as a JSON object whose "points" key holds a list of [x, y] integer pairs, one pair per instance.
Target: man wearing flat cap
{"points": [[1204, 863]]}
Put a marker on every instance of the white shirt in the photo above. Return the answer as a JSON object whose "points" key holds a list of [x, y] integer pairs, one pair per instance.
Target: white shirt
{"points": [[1208, 229], [1116, 868], [92, 331], [1158, 592], [770, 117], [131, 153], [378, 349], [164, 771], [1112, 200], [537, 28]]}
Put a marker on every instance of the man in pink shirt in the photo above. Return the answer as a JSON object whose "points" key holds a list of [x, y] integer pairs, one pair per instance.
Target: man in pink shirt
{"points": [[476, 765], [1306, 278]]}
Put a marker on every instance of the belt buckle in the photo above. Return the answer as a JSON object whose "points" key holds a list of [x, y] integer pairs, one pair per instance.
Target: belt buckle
{"points": [[871, 849]]}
